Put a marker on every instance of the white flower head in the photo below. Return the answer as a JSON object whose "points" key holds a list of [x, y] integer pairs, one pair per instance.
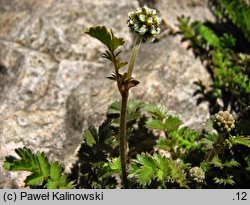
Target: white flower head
{"points": [[223, 121], [145, 23], [197, 174]]}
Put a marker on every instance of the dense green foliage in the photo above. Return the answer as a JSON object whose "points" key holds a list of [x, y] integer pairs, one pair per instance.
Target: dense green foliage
{"points": [[225, 52], [45, 174], [229, 69], [162, 154], [224, 49], [236, 11]]}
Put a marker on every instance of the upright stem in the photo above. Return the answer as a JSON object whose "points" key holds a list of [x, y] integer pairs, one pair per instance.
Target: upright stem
{"points": [[123, 138], [133, 56], [124, 90]]}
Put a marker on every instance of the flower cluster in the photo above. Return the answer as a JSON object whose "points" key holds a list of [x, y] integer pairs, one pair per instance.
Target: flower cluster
{"points": [[197, 174], [223, 121], [145, 23]]}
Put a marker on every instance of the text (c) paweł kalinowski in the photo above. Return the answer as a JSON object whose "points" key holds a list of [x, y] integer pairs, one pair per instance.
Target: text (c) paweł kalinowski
{"points": [[64, 196]]}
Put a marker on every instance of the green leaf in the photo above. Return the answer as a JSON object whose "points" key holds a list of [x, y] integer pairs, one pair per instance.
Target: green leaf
{"points": [[114, 109], [172, 123], [146, 172], [89, 166], [161, 120], [133, 111], [103, 35], [44, 164], [208, 35], [241, 140], [217, 162], [134, 105], [63, 182], [112, 166], [27, 161], [185, 28], [155, 124], [229, 180], [247, 159], [90, 140], [147, 168], [231, 163], [177, 174], [51, 184], [163, 171], [159, 112], [227, 41], [55, 171], [145, 175], [208, 141], [205, 166], [70, 185], [43, 172], [116, 42], [104, 130], [11, 163], [34, 179], [115, 164], [165, 144], [186, 138], [145, 159]]}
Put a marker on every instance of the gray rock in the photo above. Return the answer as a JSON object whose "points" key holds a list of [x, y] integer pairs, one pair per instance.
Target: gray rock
{"points": [[52, 80], [196, 9]]}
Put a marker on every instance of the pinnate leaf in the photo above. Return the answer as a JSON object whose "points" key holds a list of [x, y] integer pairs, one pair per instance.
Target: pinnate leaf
{"points": [[43, 172], [148, 167], [241, 140], [229, 180], [106, 37]]}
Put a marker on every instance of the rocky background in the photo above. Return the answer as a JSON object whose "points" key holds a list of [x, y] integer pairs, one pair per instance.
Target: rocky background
{"points": [[52, 79]]}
